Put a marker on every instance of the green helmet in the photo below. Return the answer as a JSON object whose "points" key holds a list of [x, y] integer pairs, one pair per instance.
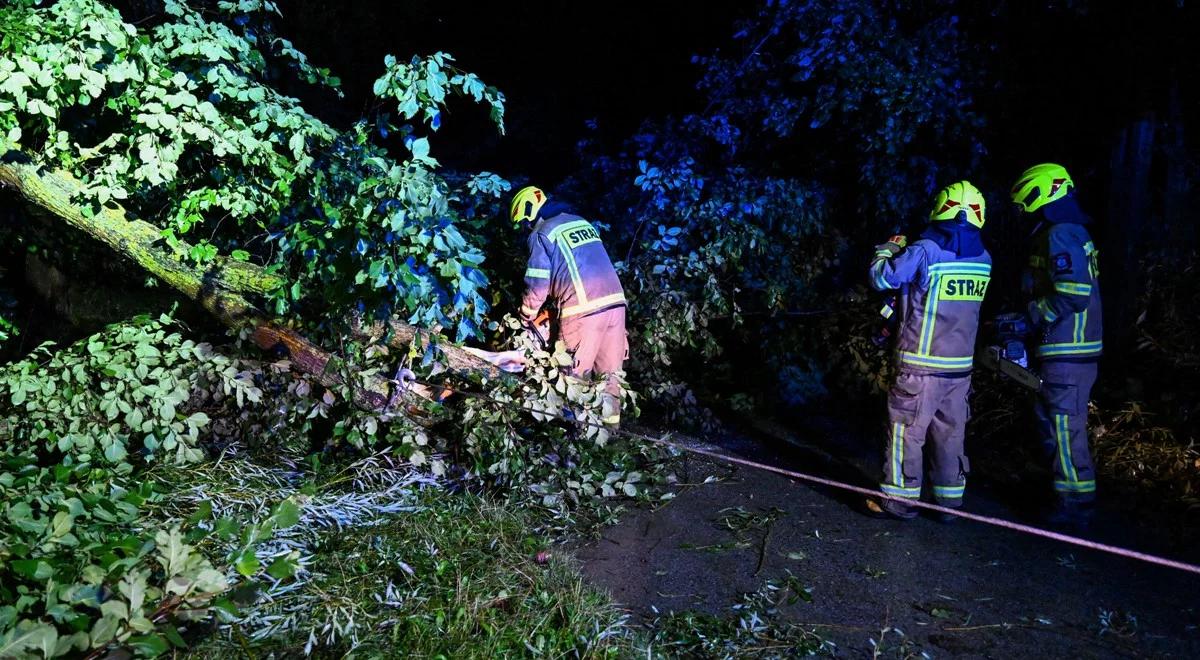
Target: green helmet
{"points": [[959, 197], [1040, 185]]}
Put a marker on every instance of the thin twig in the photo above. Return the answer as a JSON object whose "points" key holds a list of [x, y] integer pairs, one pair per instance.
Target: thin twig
{"points": [[762, 549]]}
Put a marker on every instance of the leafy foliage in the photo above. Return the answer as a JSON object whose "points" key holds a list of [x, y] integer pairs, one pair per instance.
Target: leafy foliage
{"points": [[124, 391], [735, 222], [8, 329], [179, 122], [884, 81], [79, 572], [84, 563]]}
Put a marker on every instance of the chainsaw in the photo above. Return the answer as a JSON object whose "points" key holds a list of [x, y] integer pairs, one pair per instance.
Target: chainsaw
{"points": [[1008, 356]]}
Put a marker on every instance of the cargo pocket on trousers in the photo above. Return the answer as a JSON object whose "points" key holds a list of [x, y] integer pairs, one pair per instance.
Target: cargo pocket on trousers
{"points": [[904, 401], [1061, 398]]}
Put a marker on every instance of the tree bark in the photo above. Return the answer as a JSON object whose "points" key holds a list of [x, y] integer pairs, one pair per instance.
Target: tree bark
{"points": [[221, 288], [57, 192], [401, 335], [1129, 215]]}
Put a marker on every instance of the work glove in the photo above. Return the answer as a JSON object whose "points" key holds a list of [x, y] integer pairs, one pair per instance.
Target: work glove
{"points": [[891, 248], [1036, 319]]}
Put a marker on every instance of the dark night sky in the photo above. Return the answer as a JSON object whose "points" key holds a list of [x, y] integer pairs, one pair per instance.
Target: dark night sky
{"points": [[1064, 81], [559, 64]]}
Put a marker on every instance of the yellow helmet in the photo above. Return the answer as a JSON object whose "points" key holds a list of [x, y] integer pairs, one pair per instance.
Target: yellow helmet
{"points": [[960, 197], [526, 204], [1040, 185]]}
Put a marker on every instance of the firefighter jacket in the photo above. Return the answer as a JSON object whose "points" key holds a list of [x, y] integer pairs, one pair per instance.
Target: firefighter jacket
{"points": [[1065, 281], [568, 264], [940, 296]]}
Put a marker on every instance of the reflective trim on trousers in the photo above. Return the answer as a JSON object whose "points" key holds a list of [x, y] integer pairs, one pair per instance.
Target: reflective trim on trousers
{"points": [[947, 363], [949, 492], [1062, 435], [1075, 486], [1077, 349], [898, 456], [912, 493]]}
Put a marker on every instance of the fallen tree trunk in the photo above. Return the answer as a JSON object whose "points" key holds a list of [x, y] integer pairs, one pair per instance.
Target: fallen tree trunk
{"points": [[221, 288], [401, 335], [58, 191]]}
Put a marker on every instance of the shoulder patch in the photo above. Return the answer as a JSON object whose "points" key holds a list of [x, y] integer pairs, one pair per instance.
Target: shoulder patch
{"points": [[1061, 263]]}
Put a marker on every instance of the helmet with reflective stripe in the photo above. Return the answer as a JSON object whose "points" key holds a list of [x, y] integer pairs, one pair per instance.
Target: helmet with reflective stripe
{"points": [[526, 204], [1040, 185], [959, 198]]}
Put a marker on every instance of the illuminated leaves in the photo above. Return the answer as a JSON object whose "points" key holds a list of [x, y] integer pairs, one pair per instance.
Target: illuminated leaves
{"points": [[187, 132]]}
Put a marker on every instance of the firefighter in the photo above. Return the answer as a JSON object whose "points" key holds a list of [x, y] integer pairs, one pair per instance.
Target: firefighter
{"points": [[1063, 283], [942, 279], [569, 268]]}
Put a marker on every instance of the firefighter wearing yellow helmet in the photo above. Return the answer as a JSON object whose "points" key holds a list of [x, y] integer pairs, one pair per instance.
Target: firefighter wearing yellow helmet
{"points": [[1062, 282], [941, 280], [570, 270]]}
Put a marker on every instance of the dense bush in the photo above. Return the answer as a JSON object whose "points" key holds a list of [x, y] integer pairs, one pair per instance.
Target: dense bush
{"points": [[739, 227], [83, 562]]}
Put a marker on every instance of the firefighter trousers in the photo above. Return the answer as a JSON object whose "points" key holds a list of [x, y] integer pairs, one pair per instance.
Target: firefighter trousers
{"points": [[1062, 415], [920, 407], [600, 347]]}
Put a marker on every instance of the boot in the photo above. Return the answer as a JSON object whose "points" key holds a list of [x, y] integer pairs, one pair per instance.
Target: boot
{"points": [[1070, 514], [888, 510]]}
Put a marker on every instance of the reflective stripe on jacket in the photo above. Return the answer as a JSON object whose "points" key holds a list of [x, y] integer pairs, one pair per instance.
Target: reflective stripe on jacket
{"points": [[1064, 269], [568, 264], [940, 296]]}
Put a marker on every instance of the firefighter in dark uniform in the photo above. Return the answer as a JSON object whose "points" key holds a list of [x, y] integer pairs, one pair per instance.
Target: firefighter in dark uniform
{"points": [[1063, 282]]}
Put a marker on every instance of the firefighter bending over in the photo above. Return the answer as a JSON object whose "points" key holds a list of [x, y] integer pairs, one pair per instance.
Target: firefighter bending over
{"points": [[942, 279], [569, 268]]}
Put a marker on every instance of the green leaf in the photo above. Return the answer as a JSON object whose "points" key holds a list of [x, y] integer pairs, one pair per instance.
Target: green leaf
{"points": [[420, 148], [172, 551], [247, 563], [104, 630], [226, 528], [281, 568], [115, 452], [27, 636], [203, 512], [33, 568], [287, 513], [117, 609], [62, 525], [149, 645], [227, 606], [173, 636]]}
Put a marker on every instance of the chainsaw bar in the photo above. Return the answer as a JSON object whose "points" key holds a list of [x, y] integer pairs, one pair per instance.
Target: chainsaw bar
{"points": [[991, 360]]}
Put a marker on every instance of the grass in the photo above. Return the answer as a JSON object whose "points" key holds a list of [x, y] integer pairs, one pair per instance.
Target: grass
{"points": [[417, 571], [461, 577]]}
